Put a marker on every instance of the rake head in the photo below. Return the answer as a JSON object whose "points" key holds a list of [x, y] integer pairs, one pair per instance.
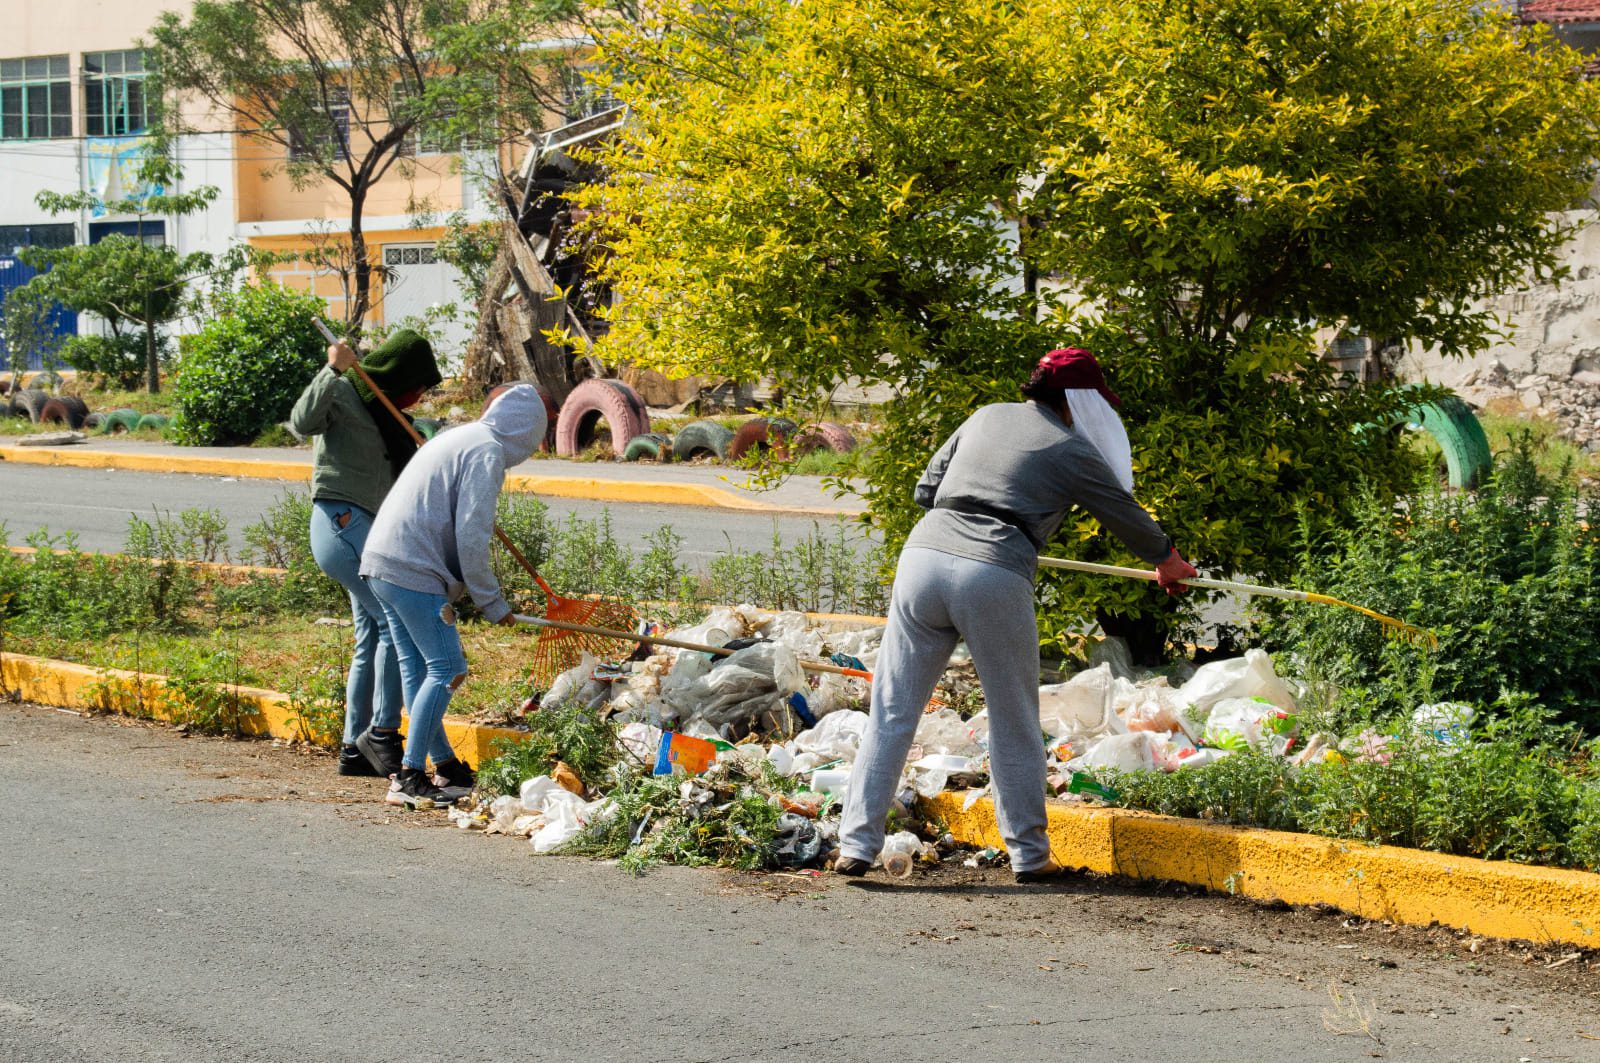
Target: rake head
{"points": [[558, 650]]}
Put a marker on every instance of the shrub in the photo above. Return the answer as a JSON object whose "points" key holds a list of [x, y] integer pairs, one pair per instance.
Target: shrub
{"points": [[1508, 578], [242, 372], [120, 359]]}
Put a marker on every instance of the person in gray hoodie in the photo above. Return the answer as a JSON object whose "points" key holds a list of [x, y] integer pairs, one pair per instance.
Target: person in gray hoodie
{"points": [[430, 542]]}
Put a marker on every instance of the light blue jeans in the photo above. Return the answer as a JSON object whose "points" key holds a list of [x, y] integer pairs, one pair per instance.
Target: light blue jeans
{"points": [[939, 598], [431, 661], [372, 689]]}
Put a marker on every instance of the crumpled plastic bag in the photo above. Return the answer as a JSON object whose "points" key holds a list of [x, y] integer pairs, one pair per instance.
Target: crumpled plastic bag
{"points": [[1136, 751], [1447, 722], [836, 736], [798, 842], [561, 813], [1080, 707], [577, 684], [1250, 676], [944, 731], [1258, 724], [1148, 706], [640, 740]]}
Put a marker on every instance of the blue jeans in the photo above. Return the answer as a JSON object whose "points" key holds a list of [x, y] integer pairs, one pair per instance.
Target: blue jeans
{"points": [[372, 690], [431, 662]]}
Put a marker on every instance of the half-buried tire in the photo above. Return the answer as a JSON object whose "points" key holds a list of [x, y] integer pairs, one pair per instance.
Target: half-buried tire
{"points": [[824, 435], [30, 401], [117, 421], [701, 438], [651, 445], [57, 411], [596, 401], [761, 435], [153, 420]]}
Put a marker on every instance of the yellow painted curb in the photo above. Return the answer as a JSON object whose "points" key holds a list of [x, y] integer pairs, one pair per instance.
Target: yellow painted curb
{"points": [[1490, 897], [265, 713], [590, 489]]}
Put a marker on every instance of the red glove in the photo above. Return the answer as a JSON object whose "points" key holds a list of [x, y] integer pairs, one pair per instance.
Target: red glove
{"points": [[1170, 572]]}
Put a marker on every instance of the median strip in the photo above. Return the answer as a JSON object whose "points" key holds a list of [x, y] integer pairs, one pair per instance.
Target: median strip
{"points": [[1493, 898]]}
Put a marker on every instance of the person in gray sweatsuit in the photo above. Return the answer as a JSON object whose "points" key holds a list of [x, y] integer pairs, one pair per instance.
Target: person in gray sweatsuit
{"points": [[995, 493], [430, 542]]}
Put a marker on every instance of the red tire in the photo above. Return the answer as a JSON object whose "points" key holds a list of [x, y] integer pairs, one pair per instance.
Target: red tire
{"points": [[593, 401], [824, 435], [761, 434]]}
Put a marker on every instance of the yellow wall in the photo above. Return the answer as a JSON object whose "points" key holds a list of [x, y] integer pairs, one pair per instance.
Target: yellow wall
{"points": [[267, 194], [304, 277]]}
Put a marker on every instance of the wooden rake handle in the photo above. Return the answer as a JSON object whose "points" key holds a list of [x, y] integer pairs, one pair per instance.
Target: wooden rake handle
{"points": [[416, 437], [679, 644]]}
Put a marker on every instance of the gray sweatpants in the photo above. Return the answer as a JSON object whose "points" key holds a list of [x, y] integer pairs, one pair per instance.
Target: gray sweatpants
{"points": [[938, 599]]}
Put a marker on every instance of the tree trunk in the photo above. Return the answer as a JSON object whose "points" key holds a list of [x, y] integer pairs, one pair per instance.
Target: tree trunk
{"points": [[356, 314], [152, 370]]}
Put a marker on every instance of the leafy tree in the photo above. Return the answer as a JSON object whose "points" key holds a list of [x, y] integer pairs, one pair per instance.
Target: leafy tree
{"points": [[346, 87], [27, 321], [122, 279], [932, 194]]}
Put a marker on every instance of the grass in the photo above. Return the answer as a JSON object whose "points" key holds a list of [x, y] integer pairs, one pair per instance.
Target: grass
{"points": [[1504, 422]]}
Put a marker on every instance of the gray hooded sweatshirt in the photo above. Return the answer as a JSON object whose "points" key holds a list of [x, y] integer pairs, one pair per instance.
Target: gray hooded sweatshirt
{"points": [[432, 532]]}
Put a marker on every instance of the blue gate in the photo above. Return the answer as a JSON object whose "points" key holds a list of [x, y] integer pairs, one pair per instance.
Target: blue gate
{"points": [[14, 273]]}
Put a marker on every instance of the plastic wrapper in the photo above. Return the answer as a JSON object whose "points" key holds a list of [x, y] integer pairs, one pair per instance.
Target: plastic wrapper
{"points": [[1136, 751], [1079, 707], [1150, 706], [1260, 725], [1447, 722], [1250, 676], [835, 737], [944, 731]]}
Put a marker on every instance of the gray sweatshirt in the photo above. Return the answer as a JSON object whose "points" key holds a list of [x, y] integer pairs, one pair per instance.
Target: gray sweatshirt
{"points": [[1019, 460], [432, 532]]}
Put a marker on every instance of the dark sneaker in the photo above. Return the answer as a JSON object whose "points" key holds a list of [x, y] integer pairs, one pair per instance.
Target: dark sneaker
{"points": [[850, 867], [454, 778], [353, 762], [1050, 874], [415, 789], [383, 750]]}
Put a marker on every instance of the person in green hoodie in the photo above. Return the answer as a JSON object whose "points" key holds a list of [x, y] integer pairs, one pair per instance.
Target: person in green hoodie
{"points": [[359, 450]]}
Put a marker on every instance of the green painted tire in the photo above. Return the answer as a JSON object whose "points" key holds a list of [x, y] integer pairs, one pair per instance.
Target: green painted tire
{"points": [[1454, 426], [427, 427], [652, 445], [153, 420], [702, 437], [124, 420]]}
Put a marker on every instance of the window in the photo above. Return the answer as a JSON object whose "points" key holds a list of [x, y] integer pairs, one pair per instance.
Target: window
{"points": [[114, 103], [582, 96], [305, 146], [425, 138], [15, 237], [35, 98], [410, 256]]}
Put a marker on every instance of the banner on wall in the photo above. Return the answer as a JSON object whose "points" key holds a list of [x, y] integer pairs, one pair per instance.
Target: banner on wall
{"points": [[112, 168]]}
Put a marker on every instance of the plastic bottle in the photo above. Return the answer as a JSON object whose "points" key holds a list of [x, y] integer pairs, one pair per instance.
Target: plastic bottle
{"points": [[900, 852]]}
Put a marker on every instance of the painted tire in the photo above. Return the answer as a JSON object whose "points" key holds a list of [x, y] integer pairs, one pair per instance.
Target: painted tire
{"points": [[56, 411], [153, 420], [824, 435], [123, 420], [760, 435], [700, 438], [652, 445], [1451, 422], [91, 423], [427, 427], [49, 378], [30, 401], [593, 401]]}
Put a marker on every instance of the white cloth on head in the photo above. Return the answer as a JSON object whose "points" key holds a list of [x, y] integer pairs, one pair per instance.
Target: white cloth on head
{"points": [[1093, 417]]}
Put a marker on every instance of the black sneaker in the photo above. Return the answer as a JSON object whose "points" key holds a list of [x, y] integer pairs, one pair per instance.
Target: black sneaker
{"points": [[353, 762], [415, 789], [1048, 875], [383, 750], [454, 778], [851, 867]]}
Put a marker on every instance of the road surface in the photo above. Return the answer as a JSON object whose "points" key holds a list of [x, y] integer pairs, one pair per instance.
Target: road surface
{"points": [[171, 898]]}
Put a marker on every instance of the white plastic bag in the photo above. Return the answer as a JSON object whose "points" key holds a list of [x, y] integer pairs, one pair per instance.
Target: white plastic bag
{"points": [[1079, 707], [1137, 751], [836, 736], [1447, 722], [1250, 676], [945, 731], [1234, 719]]}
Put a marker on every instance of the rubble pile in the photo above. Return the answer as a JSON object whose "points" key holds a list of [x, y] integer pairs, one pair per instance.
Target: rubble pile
{"points": [[744, 760], [1573, 401]]}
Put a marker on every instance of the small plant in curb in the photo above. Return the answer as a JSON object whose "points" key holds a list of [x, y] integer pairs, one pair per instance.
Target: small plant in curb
{"points": [[316, 704]]}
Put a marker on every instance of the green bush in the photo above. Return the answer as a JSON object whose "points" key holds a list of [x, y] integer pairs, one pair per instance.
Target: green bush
{"points": [[1508, 578], [243, 371], [120, 359], [1521, 789]]}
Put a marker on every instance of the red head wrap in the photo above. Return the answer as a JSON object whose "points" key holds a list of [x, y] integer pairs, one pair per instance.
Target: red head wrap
{"points": [[1069, 368]]}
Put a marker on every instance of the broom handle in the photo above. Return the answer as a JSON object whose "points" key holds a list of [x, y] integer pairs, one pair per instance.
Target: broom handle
{"points": [[1195, 581], [505, 540], [660, 640]]}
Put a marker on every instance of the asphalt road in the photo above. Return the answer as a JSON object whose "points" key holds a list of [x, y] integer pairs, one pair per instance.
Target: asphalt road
{"points": [[199, 899], [96, 505]]}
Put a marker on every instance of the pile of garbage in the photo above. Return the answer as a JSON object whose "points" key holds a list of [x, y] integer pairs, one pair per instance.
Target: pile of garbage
{"points": [[744, 760]]}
